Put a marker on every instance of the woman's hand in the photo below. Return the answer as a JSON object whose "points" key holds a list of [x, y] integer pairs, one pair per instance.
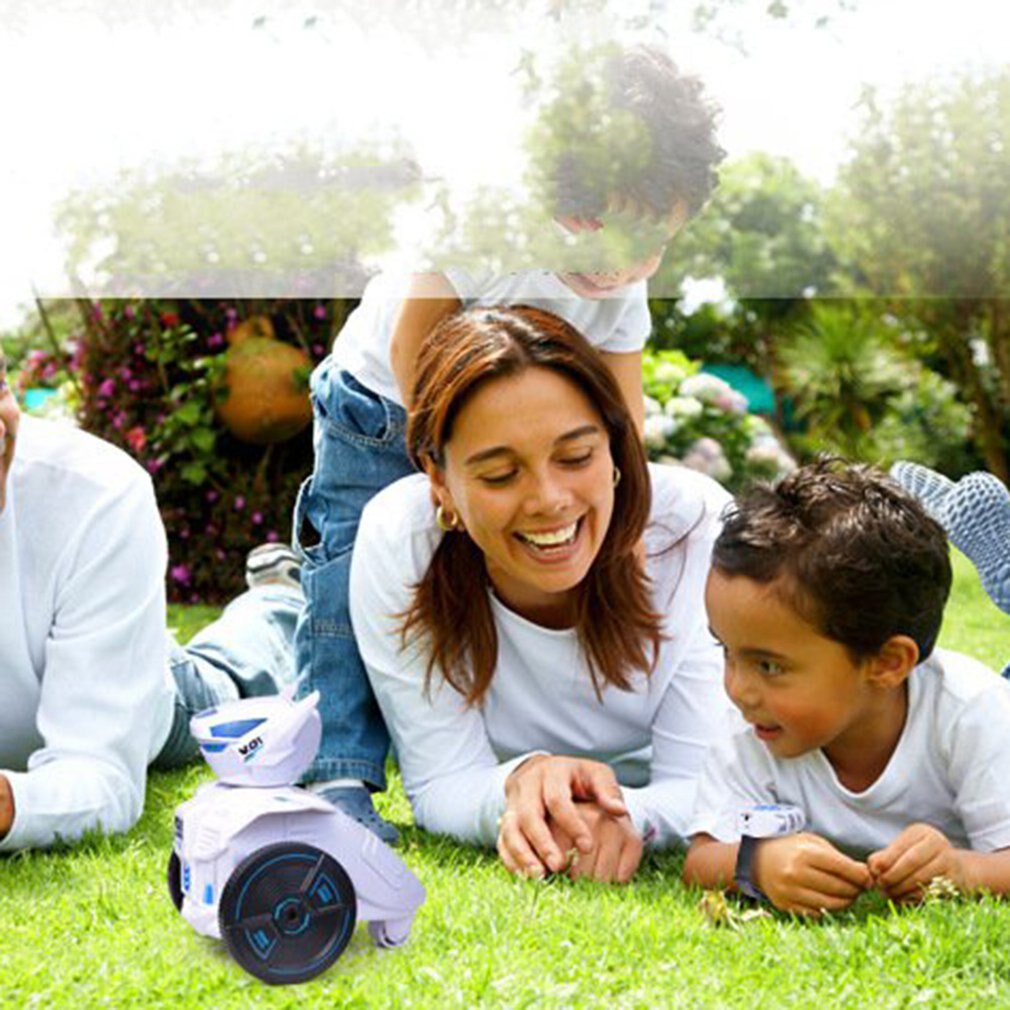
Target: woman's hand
{"points": [[617, 847], [546, 787], [919, 854]]}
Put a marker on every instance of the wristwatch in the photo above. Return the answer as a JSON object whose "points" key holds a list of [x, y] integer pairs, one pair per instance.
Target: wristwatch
{"points": [[766, 820]]}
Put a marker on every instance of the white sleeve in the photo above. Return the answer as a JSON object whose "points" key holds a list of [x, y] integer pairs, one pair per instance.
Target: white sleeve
{"points": [[691, 716], [633, 328], [737, 774], [450, 772], [979, 768], [103, 678]]}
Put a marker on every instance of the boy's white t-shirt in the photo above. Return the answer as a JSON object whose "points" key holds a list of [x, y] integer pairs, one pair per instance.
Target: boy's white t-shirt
{"points": [[619, 324], [951, 769]]}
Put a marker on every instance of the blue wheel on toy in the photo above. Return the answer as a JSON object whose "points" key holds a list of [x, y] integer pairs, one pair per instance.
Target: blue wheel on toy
{"points": [[287, 912]]}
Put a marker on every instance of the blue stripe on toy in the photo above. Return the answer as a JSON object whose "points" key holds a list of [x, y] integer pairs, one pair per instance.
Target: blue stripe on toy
{"points": [[232, 730]]}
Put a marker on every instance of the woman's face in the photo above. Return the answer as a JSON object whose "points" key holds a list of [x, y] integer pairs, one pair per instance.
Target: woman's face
{"points": [[528, 471]]}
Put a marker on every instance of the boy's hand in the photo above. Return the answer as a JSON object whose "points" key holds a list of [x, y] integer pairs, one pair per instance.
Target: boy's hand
{"points": [[617, 846], [806, 874], [904, 869]]}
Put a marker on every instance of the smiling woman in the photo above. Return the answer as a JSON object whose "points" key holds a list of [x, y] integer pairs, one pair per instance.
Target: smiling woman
{"points": [[530, 610]]}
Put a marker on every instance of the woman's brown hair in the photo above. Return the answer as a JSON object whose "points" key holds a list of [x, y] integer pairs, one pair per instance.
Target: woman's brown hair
{"points": [[451, 610]]}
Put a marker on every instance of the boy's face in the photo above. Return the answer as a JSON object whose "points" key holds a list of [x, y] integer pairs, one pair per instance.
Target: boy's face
{"points": [[639, 264], [9, 416], [798, 689]]}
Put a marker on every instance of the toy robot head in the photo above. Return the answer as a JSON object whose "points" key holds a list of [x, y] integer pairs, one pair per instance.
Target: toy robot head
{"points": [[265, 741]]}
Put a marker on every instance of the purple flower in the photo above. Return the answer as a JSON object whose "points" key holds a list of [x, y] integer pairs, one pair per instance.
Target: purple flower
{"points": [[272, 536], [318, 350], [239, 503], [153, 465], [107, 388], [257, 518], [135, 385], [319, 312], [212, 496], [214, 341], [180, 574]]}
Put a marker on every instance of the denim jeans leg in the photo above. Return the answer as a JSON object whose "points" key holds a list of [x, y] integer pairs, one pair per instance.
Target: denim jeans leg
{"points": [[246, 652], [360, 448]]}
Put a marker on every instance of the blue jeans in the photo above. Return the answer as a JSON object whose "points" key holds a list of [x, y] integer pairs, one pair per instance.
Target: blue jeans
{"points": [[359, 445], [247, 651]]}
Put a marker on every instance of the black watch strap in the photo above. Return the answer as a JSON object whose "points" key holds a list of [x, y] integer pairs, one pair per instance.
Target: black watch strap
{"points": [[743, 875]]}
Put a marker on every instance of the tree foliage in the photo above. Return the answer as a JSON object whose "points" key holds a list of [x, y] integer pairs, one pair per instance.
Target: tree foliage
{"points": [[921, 216]]}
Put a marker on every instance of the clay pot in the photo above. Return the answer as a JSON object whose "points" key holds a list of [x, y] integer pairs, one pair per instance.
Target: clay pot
{"points": [[264, 394]]}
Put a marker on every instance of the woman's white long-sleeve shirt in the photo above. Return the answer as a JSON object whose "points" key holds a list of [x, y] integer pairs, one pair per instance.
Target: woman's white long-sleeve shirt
{"points": [[454, 759], [85, 699]]}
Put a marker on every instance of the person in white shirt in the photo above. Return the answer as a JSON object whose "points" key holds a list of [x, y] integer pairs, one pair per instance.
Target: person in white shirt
{"points": [[626, 199], [827, 592], [537, 641], [86, 664]]}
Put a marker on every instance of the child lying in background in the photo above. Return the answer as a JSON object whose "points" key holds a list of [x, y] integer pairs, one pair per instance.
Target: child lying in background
{"points": [[827, 594]]}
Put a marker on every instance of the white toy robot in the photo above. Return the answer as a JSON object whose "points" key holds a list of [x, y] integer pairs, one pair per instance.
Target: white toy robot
{"points": [[275, 871]]}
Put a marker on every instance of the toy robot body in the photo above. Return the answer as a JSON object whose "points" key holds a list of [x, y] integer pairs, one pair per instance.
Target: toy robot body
{"points": [[277, 872]]}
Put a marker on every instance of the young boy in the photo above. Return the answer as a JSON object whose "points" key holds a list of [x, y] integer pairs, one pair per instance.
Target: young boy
{"points": [[826, 594], [360, 392]]}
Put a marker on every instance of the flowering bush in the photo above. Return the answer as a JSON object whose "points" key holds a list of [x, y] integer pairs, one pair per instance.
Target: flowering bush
{"points": [[143, 376], [699, 420]]}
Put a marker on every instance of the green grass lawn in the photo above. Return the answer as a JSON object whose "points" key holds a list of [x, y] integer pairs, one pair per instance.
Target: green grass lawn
{"points": [[94, 926]]}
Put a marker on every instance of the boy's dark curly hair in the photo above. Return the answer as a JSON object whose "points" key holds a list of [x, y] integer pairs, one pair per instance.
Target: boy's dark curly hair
{"points": [[852, 552], [671, 156]]}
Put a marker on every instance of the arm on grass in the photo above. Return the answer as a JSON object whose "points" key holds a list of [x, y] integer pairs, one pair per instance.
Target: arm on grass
{"points": [[103, 682], [801, 873], [430, 298], [904, 869]]}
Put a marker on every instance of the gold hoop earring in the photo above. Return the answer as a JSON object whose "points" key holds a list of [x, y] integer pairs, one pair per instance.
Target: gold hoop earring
{"points": [[447, 522], [617, 476]]}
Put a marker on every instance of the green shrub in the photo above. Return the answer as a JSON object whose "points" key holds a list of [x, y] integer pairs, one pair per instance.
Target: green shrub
{"points": [[699, 420], [141, 374]]}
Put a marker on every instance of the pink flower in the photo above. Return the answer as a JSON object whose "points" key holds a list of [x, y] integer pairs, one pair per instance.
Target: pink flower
{"points": [[215, 340], [257, 518], [319, 312], [212, 496], [272, 536], [239, 503], [107, 388], [180, 574]]}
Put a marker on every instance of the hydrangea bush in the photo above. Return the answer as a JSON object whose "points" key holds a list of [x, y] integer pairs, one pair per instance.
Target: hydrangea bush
{"points": [[700, 421], [142, 375]]}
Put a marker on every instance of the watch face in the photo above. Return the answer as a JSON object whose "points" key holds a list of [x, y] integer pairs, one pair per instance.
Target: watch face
{"points": [[769, 820]]}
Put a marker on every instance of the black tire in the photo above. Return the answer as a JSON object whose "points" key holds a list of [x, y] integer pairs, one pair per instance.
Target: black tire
{"points": [[287, 912], [175, 880]]}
